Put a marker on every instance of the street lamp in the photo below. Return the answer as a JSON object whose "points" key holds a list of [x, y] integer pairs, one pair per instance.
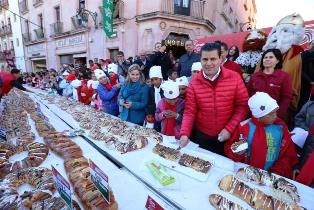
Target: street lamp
{"points": [[82, 12]]}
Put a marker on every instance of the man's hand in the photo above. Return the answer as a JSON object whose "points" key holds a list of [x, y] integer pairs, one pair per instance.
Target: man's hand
{"points": [[224, 135], [184, 140]]}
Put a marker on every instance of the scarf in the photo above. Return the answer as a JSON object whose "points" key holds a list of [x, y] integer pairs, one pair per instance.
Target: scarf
{"points": [[113, 80], [264, 143], [157, 95], [169, 123], [131, 89]]}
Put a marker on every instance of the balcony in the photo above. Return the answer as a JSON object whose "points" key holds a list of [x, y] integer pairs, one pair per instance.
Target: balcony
{"points": [[118, 14], [56, 28], [4, 3], [5, 30], [23, 6], [79, 22], [194, 13], [37, 3], [39, 34], [196, 9], [227, 15], [26, 38]]}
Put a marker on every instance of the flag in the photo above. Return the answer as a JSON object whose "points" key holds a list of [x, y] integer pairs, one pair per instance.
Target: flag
{"points": [[107, 14]]}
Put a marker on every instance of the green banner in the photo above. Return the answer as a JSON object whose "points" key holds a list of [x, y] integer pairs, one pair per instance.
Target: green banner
{"points": [[107, 14]]}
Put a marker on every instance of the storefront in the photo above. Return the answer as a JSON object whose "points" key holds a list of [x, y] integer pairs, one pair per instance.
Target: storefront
{"points": [[36, 55], [39, 64], [175, 43], [72, 50]]}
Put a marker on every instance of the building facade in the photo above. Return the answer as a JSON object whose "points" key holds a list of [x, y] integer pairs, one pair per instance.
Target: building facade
{"points": [[11, 42], [57, 32]]}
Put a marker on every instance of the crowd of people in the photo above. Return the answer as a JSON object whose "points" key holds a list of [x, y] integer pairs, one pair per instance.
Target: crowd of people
{"points": [[202, 98]]}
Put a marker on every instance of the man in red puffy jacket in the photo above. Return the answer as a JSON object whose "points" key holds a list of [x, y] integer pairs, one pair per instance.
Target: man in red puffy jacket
{"points": [[8, 80], [216, 102]]}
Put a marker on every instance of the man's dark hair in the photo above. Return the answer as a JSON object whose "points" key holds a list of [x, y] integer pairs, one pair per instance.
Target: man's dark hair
{"points": [[188, 40], [15, 71], [277, 54], [170, 71], [120, 53], [222, 44], [90, 61], [102, 60], [157, 43], [211, 47]]}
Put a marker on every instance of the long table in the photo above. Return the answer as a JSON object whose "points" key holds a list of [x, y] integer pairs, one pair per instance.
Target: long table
{"points": [[188, 193]]}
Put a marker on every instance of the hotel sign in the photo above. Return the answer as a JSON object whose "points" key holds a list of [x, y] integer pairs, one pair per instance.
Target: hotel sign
{"points": [[71, 41]]}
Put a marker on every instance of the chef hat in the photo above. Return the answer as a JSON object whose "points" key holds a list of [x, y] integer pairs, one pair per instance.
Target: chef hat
{"points": [[76, 83], [171, 89], [94, 84], [261, 104], [182, 81], [197, 66], [113, 68], [65, 73], [155, 71], [99, 73]]}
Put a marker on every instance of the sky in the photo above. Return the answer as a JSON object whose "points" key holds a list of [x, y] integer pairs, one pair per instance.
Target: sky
{"points": [[269, 12]]}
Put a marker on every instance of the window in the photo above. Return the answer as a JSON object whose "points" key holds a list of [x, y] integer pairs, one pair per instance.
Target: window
{"points": [[230, 11], [40, 18], [225, 1], [9, 21], [81, 4], [14, 18], [17, 42], [182, 7], [5, 46], [12, 44], [57, 11], [27, 27]]}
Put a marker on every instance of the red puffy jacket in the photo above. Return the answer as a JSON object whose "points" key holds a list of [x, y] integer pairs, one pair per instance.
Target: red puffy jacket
{"points": [[229, 64], [7, 79], [212, 108]]}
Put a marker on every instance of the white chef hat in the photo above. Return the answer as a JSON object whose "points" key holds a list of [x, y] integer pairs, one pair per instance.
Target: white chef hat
{"points": [[182, 81], [99, 73], [94, 84], [113, 68], [171, 89], [76, 83], [65, 73], [197, 66], [262, 104], [155, 71]]}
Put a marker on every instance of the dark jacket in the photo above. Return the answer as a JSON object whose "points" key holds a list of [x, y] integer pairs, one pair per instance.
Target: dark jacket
{"points": [[305, 119], [147, 66], [307, 77], [186, 62], [163, 60], [151, 106], [123, 68]]}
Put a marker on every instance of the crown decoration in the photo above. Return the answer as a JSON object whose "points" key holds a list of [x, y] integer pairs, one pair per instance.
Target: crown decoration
{"points": [[294, 19]]}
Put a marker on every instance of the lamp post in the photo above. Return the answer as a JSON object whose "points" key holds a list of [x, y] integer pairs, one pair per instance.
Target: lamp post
{"points": [[84, 13]]}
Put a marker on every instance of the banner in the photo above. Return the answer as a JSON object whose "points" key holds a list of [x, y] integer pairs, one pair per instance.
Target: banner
{"points": [[107, 14]]}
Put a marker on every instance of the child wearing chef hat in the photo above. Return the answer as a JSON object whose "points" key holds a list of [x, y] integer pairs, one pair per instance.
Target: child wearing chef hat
{"points": [[170, 109], [183, 83], [269, 142]]}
